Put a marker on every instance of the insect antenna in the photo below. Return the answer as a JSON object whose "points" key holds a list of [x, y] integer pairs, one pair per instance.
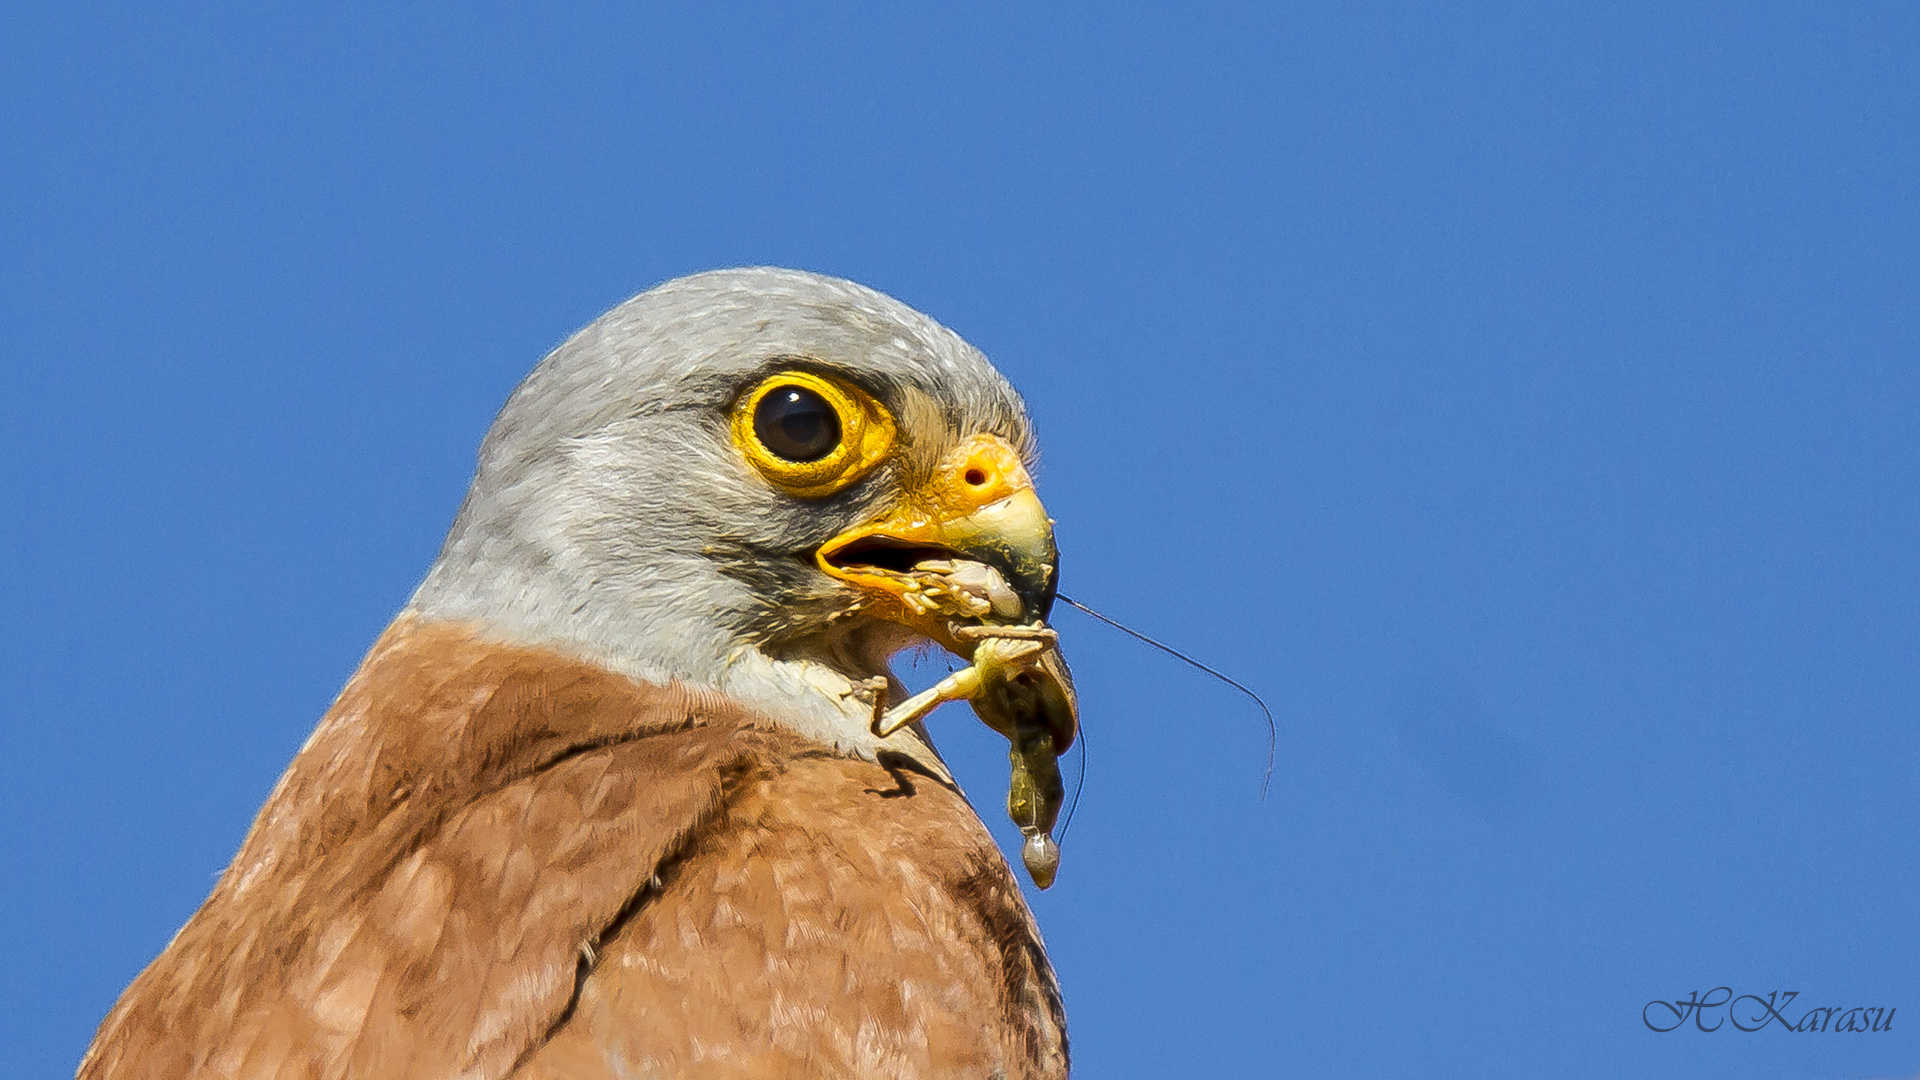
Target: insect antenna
{"points": [[1079, 783], [1272, 738]]}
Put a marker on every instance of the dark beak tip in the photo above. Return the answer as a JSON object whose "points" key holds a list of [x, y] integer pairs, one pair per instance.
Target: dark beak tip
{"points": [[1037, 609]]}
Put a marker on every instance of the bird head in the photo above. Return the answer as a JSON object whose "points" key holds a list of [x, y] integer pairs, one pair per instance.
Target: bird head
{"points": [[730, 480]]}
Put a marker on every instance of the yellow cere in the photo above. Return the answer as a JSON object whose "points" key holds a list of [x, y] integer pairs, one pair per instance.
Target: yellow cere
{"points": [[867, 435]]}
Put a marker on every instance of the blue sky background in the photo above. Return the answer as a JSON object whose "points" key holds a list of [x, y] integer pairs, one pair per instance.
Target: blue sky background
{"points": [[1523, 397]]}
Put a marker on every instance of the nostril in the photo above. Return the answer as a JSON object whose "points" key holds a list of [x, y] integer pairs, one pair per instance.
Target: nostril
{"points": [[976, 477]]}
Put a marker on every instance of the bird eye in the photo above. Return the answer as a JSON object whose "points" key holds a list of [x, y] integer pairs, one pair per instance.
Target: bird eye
{"points": [[796, 424], [810, 434]]}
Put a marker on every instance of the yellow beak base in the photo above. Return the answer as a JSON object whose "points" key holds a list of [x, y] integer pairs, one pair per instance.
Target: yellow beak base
{"points": [[978, 507]]}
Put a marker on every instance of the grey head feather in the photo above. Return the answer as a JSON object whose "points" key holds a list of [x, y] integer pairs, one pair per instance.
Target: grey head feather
{"points": [[612, 517]]}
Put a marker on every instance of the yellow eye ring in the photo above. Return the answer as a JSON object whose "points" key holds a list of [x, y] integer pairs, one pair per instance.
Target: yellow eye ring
{"points": [[832, 432]]}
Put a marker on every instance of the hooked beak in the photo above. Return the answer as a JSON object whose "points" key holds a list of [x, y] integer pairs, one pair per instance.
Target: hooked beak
{"points": [[978, 506]]}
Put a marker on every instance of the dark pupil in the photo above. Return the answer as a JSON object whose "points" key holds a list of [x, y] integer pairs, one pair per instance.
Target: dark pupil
{"points": [[796, 424]]}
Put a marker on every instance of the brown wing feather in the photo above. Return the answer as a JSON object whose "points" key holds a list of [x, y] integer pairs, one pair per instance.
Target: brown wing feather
{"points": [[479, 841], [416, 888], [843, 920]]}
